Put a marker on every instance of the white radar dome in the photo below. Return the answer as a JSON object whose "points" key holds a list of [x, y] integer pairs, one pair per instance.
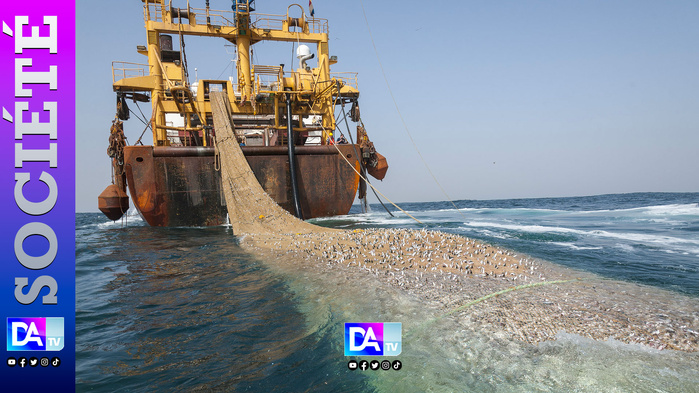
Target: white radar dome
{"points": [[303, 53]]}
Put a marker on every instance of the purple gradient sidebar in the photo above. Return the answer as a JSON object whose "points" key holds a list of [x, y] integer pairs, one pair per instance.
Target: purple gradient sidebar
{"points": [[37, 194]]}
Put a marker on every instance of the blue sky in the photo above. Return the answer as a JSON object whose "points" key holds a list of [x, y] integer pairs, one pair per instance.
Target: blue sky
{"points": [[505, 99]]}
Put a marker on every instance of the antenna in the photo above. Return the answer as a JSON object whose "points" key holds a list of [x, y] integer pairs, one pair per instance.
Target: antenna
{"points": [[230, 46]]}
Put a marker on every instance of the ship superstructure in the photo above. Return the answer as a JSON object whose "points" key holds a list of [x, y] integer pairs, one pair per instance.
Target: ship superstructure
{"points": [[284, 119]]}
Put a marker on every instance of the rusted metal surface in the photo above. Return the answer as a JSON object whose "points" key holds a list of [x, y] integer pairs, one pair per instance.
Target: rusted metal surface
{"points": [[113, 202], [184, 151], [174, 190], [178, 186], [327, 185], [379, 171]]}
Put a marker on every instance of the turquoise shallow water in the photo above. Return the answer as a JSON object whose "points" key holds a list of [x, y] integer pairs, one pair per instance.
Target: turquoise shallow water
{"points": [[186, 309]]}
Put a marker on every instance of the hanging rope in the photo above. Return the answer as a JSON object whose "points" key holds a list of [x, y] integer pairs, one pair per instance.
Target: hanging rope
{"points": [[349, 135], [372, 186], [142, 118], [224, 70], [405, 125], [183, 53], [149, 125]]}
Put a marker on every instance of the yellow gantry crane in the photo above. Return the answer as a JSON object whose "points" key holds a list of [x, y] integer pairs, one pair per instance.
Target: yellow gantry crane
{"points": [[258, 96], [175, 182]]}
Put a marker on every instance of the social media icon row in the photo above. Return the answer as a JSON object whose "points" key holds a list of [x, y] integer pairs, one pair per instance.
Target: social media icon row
{"points": [[33, 362], [374, 365]]}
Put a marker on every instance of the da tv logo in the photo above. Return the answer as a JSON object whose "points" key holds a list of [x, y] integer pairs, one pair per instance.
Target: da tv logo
{"points": [[35, 334], [373, 339]]}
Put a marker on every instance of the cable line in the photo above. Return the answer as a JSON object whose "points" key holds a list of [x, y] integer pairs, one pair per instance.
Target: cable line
{"points": [[372, 186], [405, 125]]}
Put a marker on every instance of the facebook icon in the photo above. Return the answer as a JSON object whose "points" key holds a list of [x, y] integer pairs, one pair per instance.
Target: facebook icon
{"points": [[373, 338]]}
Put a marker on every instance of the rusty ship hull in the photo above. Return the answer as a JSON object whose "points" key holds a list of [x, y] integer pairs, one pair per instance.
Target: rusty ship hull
{"points": [[180, 186]]}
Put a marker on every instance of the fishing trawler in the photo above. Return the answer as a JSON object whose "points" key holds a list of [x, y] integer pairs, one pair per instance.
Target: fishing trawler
{"points": [[284, 120]]}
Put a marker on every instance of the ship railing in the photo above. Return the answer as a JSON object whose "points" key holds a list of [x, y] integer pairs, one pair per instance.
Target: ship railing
{"points": [[156, 12], [276, 22], [267, 78], [123, 69], [236, 92], [153, 12], [216, 17], [348, 78]]}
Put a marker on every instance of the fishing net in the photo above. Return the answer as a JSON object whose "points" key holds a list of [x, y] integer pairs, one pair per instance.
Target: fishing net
{"points": [[250, 209]]}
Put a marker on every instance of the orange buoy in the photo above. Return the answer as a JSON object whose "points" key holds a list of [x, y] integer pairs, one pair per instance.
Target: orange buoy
{"points": [[113, 202]]}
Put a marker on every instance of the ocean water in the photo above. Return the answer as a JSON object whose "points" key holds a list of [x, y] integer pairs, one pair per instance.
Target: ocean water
{"points": [[649, 238], [187, 309]]}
